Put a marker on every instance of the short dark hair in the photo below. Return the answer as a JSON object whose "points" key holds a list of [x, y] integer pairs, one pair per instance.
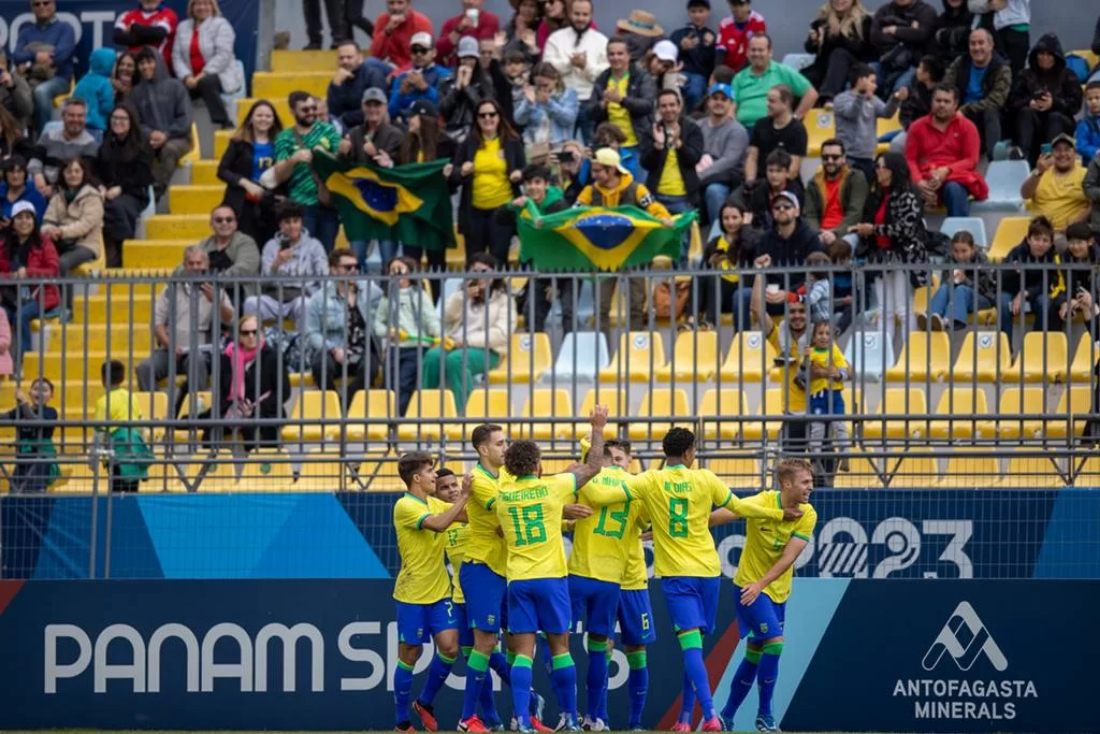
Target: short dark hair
{"points": [[948, 88], [604, 131], [1040, 225], [737, 203], [1092, 85], [482, 433], [839, 250], [669, 93], [412, 463], [295, 97], [337, 253], [723, 74], [619, 40], [443, 473], [963, 236], [677, 442], [836, 143], [537, 171], [765, 36], [350, 42], [289, 210], [522, 458], [859, 71], [934, 66], [786, 94], [618, 443], [44, 380], [778, 157], [113, 372], [145, 54], [1079, 231], [513, 56], [698, 4]]}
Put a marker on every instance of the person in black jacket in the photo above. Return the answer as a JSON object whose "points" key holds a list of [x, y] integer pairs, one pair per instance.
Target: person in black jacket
{"points": [[837, 39], [353, 77], [1031, 285], [901, 31], [460, 94], [1045, 97], [676, 140], [638, 100], [251, 152], [950, 39], [124, 166], [732, 250]]}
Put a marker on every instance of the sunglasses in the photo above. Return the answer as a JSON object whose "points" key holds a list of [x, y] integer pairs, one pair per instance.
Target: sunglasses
{"points": [[224, 220], [486, 115], [248, 332], [42, 4], [350, 268], [420, 50], [781, 207], [832, 157]]}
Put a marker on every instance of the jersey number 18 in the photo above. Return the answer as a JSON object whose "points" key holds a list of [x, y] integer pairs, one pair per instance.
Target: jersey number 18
{"points": [[527, 525]]}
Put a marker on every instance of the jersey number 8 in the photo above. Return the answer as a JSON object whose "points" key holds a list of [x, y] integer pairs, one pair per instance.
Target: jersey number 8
{"points": [[532, 530], [678, 517]]}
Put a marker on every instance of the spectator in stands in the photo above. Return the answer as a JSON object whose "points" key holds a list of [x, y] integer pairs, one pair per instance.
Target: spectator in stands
{"points": [[251, 154], [97, 92], [393, 32], [725, 144], [1056, 186], [231, 253], [951, 33], [421, 81], [35, 469], [1010, 23], [579, 53], [339, 340], [762, 194], [253, 383], [14, 190], [151, 24], [124, 446], [16, 97], [639, 30], [901, 31], [1091, 185], [70, 140], [1045, 98], [547, 111], [840, 37], [353, 77], [663, 64], [294, 149], [857, 111], [836, 195], [943, 151], [672, 152], [735, 32], [187, 320], [967, 285], [421, 144], [624, 96], [488, 165], [697, 45], [7, 367], [753, 84], [164, 109], [892, 231], [45, 48], [12, 141], [555, 16], [460, 94], [27, 254], [74, 219], [521, 33], [787, 242], [779, 130], [1081, 259], [478, 322], [475, 22], [918, 103], [1029, 285], [124, 77], [203, 58], [1088, 129], [983, 80], [337, 26], [124, 166], [731, 251], [294, 259], [408, 320], [574, 168]]}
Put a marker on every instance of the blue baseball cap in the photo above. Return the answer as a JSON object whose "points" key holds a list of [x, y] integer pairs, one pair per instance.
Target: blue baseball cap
{"points": [[725, 89]]}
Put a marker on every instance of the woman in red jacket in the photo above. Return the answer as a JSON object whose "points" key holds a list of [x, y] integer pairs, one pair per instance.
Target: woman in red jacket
{"points": [[25, 255]]}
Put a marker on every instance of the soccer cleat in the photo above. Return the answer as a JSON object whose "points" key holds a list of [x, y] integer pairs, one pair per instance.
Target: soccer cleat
{"points": [[681, 726], [766, 723], [404, 726], [537, 707], [472, 724], [427, 715], [590, 724], [727, 722], [712, 724], [537, 725]]}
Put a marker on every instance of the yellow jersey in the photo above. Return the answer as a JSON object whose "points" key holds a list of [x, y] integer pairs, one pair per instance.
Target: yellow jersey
{"points": [[618, 115], [765, 541], [491, 187], [483, 544], [672, 181], [601, 541], [456, 554], [636, 575], [795, 400], [826, 358], [123, 407], [423, 576], [678, 500], [529, 510]]}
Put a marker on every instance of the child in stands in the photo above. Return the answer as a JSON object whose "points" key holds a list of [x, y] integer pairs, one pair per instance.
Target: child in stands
{"points": [[823, 371], [1088, 129], [35, 468], [128, 456]]}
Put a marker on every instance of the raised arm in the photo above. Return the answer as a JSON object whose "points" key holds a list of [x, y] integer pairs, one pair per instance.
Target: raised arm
{"points": [[594, 464], [442, 521]]}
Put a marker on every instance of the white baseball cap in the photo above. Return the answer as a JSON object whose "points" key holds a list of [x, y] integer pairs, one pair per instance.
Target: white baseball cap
{"points": [[666, 51]]}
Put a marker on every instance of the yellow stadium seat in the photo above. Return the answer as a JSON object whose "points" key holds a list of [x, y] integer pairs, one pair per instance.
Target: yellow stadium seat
{"points": [[376, 473], [694, 357], [194, 199], [1043, 358], [1092, 59], [154, 407], [864, 472], [266, 470], [1088, 472], [965, 412], [119, 305], [195, 154], [1010, 232], [298, 61], [200, 400], [749, 359], [154, 253], [221, 142], [191, 227], [60, 99], [372, 404], [738, 473], [820, 126], [899, 401], [322, 472], [718, 404], [925, 356], [546, 403], [1030, 401], [72, 365], [985, 356], [528, 357], [437, 405], [277, 85], [913, 470], [1076, 404], [641, 354], [205, 173], [282, 109], [972, 472], [314, 405], [1084, 360], [660, 401], [115, 337], [1038, 472], [489, 406], [617, 406], [773, 403]]}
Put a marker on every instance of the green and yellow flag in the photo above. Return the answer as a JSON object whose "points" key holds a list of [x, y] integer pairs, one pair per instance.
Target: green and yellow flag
{"points": [[598, 238], [410, 204]]}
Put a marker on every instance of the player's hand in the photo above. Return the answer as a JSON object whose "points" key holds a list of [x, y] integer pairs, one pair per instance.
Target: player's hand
{"points": [[467, 485], [791, 513], [750, 593], [576, 512], [598, 419]]}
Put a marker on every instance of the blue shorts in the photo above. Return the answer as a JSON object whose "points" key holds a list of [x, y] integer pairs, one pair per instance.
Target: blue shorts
{"points": [[465, 634], [596, 602], [827, 402], [636, 618], [418, 623], [485, 606], [692, 601], [538, 605], [761, 621]]}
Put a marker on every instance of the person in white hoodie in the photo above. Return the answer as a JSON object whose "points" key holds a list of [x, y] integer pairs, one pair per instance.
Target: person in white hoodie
{"points": [[1011, 28], [579, 53]]}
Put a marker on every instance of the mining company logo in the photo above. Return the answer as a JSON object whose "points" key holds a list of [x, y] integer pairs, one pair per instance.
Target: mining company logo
{"points": [[962, 642]]}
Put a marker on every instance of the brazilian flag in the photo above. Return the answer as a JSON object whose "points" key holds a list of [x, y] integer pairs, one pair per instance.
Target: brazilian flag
{"points": [[598, 238], [410, 204]]}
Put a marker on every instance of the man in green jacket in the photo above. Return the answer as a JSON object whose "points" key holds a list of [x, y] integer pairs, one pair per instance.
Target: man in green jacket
{"points": [[835, 195]]}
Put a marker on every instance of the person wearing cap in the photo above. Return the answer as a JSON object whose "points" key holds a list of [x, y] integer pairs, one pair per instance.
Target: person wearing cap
{"points": [[393, 32], [579, 53], [697, 47], [943, 150], [624, 95], [734, 34], [475, 22], [670, 156], [460, 94], [752, 84], [662, 63], [640, 31], [27, 254], [420, 81], [353, 77], [725, 142], [1056, 186]]}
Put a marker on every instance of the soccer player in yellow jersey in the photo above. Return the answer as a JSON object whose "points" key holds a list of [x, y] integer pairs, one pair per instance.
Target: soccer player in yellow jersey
{"points": [[422, 591], [763, 584]]}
